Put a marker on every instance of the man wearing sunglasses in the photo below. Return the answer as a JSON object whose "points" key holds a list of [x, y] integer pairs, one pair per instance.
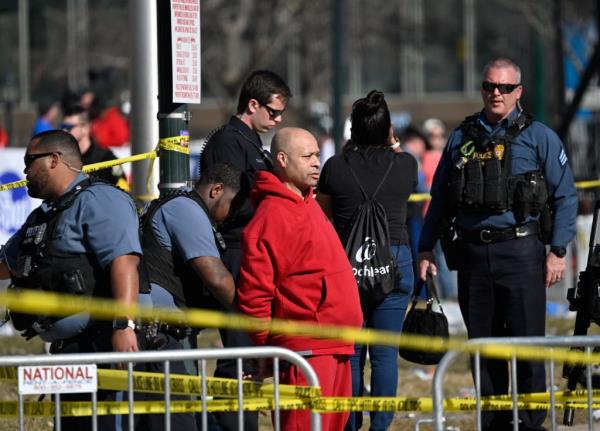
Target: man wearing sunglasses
{"points": [[502, 190], [76, 121], [261, 104], [82, 240]]}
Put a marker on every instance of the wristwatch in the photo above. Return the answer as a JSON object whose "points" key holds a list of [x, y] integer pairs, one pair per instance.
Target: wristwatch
{"points": [[558, 250], [123, 323]]}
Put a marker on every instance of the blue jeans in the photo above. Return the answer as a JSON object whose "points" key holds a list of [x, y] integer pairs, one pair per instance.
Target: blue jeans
{"points": [[387, 316]]}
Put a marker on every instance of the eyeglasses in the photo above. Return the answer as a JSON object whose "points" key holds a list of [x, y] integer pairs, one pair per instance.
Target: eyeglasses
{"points": [[68, 127], [502, 88], [273, 113], [30, 158]]}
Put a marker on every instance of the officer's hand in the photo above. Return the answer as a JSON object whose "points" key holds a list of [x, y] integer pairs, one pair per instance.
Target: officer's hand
{"points": [[124, 340], [426, 262], [555, 269]]}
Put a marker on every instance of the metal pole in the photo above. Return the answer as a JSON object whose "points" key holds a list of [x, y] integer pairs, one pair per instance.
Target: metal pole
{"points": [[515, 392], [338, 41], [203, 394], [552, 395], [71, 47], [173, 118], [557, 15], [590, 389], [25, 92], [276, 416], [240, 395], [167, 396], [469, 73], [130, 396], [540, 78], [590, 71], [477, 360], [143, 85]]}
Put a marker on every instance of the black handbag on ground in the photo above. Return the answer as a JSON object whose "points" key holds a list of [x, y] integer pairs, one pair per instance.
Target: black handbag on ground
{"points": [[425, 321]]}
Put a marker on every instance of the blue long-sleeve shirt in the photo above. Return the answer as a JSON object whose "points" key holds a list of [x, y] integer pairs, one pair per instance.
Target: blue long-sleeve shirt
{"points": [[536, 148]]}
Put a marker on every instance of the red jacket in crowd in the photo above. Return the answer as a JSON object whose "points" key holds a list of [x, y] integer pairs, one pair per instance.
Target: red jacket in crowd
{"points": [[294, 267]]}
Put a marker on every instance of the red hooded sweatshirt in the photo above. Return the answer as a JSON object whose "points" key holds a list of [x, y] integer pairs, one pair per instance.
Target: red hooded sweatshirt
{"points": [[294, 267]]}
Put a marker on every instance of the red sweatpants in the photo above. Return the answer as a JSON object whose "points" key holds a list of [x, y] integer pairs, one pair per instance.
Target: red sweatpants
{"points": [[336, 381]]}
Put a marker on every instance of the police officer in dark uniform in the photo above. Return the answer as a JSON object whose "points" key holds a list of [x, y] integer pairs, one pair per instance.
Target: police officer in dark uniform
{"points": [[502, 189], [183, 266], [72, 244], [263, 99]]}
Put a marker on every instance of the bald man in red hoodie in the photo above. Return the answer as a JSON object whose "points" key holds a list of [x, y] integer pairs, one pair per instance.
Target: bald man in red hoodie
{"points": [[294, 267]]}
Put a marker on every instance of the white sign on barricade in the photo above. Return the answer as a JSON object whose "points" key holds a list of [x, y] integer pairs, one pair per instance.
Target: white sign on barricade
{"points": [[58, 379], [185, 50]]}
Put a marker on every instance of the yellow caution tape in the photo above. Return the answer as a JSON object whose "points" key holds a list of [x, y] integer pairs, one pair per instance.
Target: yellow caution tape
{"points": [[587, 184], [321, 405], [13, 185], [191, 385], [419, 197], [179, 144], [90, 168], [180, 384], [51, 304], [84, 408], [423, 197], [110, 163]]}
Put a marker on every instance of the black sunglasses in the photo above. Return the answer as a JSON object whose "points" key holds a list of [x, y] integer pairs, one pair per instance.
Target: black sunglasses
{"points": [[30, 158], [273, 113], [502, 88], [68, 127]]}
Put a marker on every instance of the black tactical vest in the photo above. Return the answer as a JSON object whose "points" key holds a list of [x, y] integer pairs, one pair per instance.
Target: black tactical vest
{"points": [[40, 266], [168, 270], [482, 179]]}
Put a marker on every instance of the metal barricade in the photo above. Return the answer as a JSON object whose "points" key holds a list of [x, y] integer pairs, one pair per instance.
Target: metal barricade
{"points": [[586, 342], [166, 357]]}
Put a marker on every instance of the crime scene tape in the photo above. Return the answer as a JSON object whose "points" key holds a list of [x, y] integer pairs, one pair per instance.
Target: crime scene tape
{"points": [[220, 387], [321, 405], [90, 168], [84, 408], [179, 144], [191, 385], [181, 384], [52, 304]]}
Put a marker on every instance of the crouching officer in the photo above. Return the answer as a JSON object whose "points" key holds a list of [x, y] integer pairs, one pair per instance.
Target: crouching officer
{"points": [[498, 173], [82, 240], [182, 260]]}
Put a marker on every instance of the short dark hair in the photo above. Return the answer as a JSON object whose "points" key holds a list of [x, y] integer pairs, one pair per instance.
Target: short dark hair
{"points": [[75, 110], [262, 85], [412, 132], [371, 121], [61, 142], [227, 174]]}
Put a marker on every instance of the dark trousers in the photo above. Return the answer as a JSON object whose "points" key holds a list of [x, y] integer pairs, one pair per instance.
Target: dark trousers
{"points": [[156, 422], [98, 339], [94, 339], [228, 367], [501, 294]]}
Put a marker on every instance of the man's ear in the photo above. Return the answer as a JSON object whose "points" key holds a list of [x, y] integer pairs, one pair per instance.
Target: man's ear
{"points": [[253, 106], [281, 157], [54, 162], [216, 190]]}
